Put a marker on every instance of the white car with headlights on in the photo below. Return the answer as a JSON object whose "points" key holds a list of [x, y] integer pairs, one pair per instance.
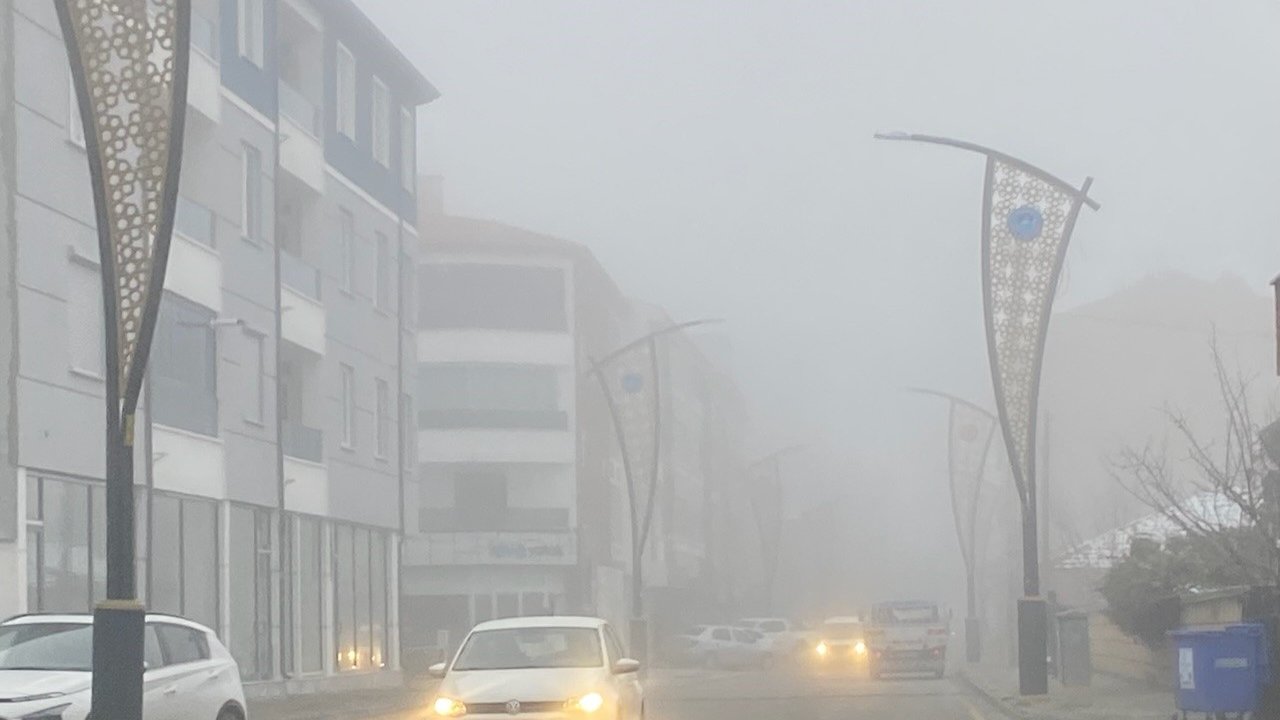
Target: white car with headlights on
{"points": [[46, 664], [540, 667]]}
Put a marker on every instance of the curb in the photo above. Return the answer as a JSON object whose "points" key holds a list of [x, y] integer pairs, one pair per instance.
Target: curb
{"points": [[996, 702]]}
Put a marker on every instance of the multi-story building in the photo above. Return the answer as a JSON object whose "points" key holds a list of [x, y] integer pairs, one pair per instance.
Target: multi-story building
{"points": [[507, 319], [270, 465]]}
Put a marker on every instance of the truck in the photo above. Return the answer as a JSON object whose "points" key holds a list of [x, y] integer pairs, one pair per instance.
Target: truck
{"points": [[907, 637]]}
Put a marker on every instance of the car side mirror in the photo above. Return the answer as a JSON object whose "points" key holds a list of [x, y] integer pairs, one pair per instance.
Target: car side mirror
{"points": [[626, 666], [437, 670]]}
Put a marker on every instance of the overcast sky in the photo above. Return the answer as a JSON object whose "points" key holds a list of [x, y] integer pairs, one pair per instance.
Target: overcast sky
{"points": [[717, 157]]}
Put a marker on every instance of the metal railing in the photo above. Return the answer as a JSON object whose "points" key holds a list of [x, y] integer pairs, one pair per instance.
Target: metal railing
{"points": [[204, 35], [297, 274], [295, 106], [302, 442]]}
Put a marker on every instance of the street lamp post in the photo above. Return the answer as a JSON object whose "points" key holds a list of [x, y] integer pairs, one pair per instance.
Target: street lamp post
{"points": [[1027, 219], [969, 427], [633, 385], [129, 63], [770, 538]]}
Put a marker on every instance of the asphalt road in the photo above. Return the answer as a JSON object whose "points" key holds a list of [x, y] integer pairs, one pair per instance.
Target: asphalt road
{"points": [[795, 696]]}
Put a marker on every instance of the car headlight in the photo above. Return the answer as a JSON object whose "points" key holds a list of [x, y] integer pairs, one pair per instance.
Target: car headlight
{"points": [[53, 713], [588, 703], [448, 707], [860, 648], [822, 649]]}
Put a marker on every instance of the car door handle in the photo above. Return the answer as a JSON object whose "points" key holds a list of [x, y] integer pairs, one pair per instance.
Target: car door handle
{"points": [[171, 690]]}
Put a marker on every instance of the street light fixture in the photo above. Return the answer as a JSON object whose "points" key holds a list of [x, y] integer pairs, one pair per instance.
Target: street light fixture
{"points": [[627, 367], [129, 64], [1027, 219], [969, 427]]}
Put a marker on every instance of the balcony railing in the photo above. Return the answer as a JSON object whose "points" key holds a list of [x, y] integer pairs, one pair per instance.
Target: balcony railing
{"points": [[195, 221], [492, 419], [295, 106], [204, 35], [300, 276], [302, 442], [433, 520]]}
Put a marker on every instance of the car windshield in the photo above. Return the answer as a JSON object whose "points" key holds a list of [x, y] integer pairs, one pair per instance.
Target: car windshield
{"points": [[47, 646], [841, 630], [525, 648]]}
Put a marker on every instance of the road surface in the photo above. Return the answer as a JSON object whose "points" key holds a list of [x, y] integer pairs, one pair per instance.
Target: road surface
{"points": [[761, 696]]}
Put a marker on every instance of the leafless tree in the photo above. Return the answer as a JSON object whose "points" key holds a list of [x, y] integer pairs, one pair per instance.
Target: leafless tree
{"points": [[1220, 490]]}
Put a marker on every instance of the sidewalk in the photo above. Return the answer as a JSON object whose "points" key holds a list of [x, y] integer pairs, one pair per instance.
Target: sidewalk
{"points": [[347, 705], [1107, 698]]}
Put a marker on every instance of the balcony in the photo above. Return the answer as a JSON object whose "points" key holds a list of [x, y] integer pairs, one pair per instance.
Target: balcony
{"points": [[491, 548], [300, 276], [440, 520], [195, 221], [204, 78], [503, 419], [302, 442], [301, 152]]}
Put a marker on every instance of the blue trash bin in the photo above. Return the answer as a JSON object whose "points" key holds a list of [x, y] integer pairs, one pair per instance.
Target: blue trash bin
{"points": [[1221, 671]]}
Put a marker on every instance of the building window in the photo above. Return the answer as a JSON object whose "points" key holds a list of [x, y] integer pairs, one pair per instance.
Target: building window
{"points": [[408, 308], [408, 149], [183, 367], [479, 497], [384, 418], [348, 405], [494, 297], [382, 273], [255, 377], [360, 613], [184, 558], [251, 192], [250, 36], [408, 428], [84, 320], [345, 82], [490, 395], [381, 123], [75, 127], [250, 591], [344, 598], [311, 594], [346, 250]]}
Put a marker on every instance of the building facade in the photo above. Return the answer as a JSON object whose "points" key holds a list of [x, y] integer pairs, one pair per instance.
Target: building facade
{"points": [[270, 462], [494, 513]]}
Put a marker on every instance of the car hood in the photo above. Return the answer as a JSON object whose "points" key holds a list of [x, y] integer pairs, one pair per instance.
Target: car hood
{"points": [[536, 685], [18, 684]]}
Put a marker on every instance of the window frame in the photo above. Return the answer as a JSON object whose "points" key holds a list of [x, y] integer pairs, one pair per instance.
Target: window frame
{"points": [[256, 412], [347, 398], [251, 37], [93, 313], [382, 272], [344, 81], [380, 122], [346, 251], [382, 422], [408, 148], [250, 192]]}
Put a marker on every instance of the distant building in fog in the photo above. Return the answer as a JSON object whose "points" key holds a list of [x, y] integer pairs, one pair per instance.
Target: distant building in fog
{"points": [[269, 447], [519, 504]]}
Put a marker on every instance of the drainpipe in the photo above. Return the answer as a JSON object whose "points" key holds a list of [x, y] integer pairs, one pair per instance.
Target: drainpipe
{"points": [[286, 564]]}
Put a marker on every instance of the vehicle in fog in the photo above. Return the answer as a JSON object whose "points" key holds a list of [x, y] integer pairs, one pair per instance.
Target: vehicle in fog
{"points": [[781, 635], [546, 666], [907, 637], [46, 663], [841, 644], [726, 646]]}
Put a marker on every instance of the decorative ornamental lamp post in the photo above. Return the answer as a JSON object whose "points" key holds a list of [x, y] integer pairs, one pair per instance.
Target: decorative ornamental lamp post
{"points": [[1027, 219], [129, 63], [630, 378], [969, 433]]}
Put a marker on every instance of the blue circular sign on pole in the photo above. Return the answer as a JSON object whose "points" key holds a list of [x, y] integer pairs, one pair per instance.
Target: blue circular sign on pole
{"points": [[632, 383], [1026, 223]]}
